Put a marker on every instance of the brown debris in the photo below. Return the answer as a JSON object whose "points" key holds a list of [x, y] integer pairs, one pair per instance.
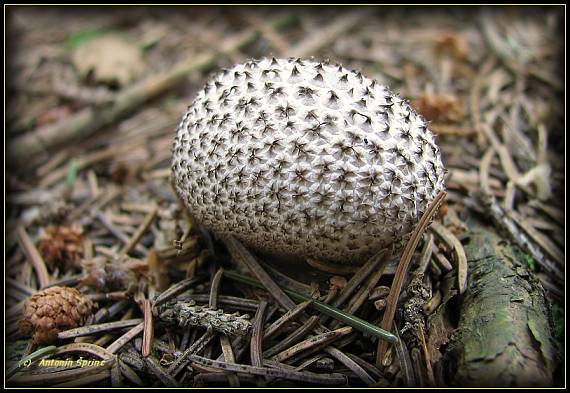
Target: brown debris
{"points": [[451, 44], [54, 310], [440, 108], [61, 246]]}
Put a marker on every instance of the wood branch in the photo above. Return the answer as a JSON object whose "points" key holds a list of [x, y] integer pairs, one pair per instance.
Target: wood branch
{"points": [[504, 338]]}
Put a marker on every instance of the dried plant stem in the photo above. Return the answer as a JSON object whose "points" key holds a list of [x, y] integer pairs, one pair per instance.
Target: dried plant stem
{"points": [[125, 338], [484, 166], [136, 237], [312, 344], [362, 274], [285, 318], [351, 364], [155, 368], [294, 337], [402, 269], [240, 253], [185, 358], [239, 303], [128, 373], [326, 34], [99, 328], [460, 259], [405, 362], [307, 377], [33, 255], [427, 252], [119, 234], [177, 289], [148, 331], [508, 225], [229, 357], [257, 336], [326, 309], [215, 289], [427, 357]]}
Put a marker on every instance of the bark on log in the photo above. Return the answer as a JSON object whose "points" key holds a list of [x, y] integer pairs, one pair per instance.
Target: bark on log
{"points": [[504, 337]]}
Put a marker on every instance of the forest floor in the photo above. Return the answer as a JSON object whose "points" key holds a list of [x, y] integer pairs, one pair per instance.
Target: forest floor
{"points": [[93, 98]]}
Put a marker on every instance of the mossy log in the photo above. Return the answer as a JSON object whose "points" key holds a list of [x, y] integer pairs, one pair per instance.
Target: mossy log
{"points": [[504, 337]]}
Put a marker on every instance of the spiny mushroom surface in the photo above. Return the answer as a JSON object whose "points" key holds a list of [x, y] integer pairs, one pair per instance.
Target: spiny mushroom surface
{"points": [[297, 157]]}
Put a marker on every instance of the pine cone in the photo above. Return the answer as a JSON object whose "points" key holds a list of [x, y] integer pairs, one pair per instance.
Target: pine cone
{"points": [[54, 310], [62, 246]]}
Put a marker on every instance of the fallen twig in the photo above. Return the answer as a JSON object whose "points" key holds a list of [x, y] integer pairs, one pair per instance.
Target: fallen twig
{"points": [[402, 269]]}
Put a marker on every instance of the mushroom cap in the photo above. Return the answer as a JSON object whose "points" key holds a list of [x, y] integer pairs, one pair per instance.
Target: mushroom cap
{"points": [[301, 158]]}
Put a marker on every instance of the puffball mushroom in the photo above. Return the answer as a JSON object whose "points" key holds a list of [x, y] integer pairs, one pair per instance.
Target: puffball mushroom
{"points": [[307, 159]]}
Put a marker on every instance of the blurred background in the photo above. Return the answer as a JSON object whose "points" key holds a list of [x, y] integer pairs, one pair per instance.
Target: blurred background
{"points": [[94, 95]]}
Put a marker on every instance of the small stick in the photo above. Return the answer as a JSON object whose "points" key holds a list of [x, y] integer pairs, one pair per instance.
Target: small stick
{"points": [[484, 166], [294, 337], [442, 261], [125, 338], [239, 252], [128, 372], [370, 368], [109, 296], [99, 328], [239, 303], [148, 332], [361, 275], [308, 362], [185, 358], [33, 255], [405, 362], [257, 336], [136, 237], [285, 318], [447, 236], [107, 313], [542, 241], [324, 308], [416, 359], [332, 268], [504, 220], [155, 367], [307, 377], [24, 290], [176, 289], [426, 253], [429, 369], [312, 344], [362, 295], [229, 357], [215, 289], [400, 275], [117, 232], [351, 364]]}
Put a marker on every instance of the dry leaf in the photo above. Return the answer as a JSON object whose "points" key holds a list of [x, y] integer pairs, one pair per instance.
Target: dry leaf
{"points": [[109, 59]]}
